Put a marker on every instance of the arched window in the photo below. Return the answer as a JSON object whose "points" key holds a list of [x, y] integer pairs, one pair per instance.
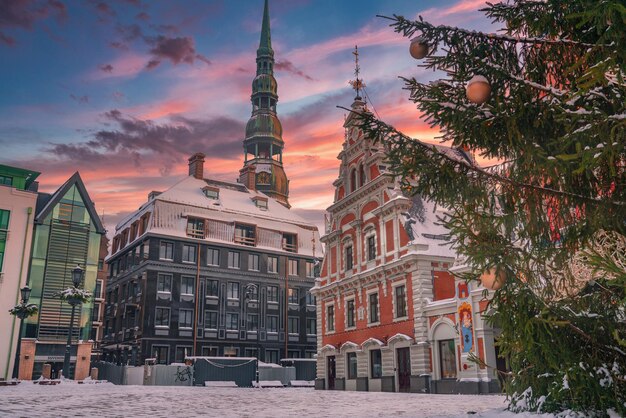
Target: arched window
{"points": [[353, 180], [362, 178]]}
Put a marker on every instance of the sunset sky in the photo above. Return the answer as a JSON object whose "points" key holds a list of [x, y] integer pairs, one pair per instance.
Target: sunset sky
{"points": [[124, 91]]}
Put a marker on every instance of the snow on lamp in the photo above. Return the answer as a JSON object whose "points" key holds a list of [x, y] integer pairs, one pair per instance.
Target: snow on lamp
{"points": [[478, 89]]}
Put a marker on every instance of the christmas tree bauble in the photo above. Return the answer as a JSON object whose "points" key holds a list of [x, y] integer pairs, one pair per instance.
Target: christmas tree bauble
{"points": [[418, 48], [493, 279], [478, 89]]}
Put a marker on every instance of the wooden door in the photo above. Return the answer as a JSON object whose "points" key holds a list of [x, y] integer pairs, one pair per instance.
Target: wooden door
{"points": [[330, 372], [404, 369]]}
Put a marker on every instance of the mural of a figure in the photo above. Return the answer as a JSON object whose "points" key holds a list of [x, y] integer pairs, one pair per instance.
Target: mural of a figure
{"points": [[467, 327]]}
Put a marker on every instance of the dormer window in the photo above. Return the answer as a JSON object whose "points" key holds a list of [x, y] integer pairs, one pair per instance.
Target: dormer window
{"points": [[211, 192], [290, 243], [260, 202], [245, 234]]}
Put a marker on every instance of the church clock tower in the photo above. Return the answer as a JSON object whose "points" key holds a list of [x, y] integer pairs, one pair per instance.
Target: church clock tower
{"points": [[263, 146]]}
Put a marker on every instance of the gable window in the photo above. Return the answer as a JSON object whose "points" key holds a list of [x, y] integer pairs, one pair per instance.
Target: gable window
{"points": [[164, 283], [189, 253], [187, 285], [373, 308], [376, 364], [166, 251], [272, 294], [233, 260], [253, 262], [350, 314], [233, 290], [162, 317], [310, 269], [371, 247], [212, 288], [272, 264], [351, 365], [290, 243], [349, 257], [400, 299], [294, 297], [213, 257], [195, 228], [330, 318], [185, 318], [244, 234], [293, 267]]}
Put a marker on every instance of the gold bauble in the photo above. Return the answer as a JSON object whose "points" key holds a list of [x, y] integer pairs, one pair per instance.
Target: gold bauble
{"points": [[478, 89], [493, 279], [418, 48]]}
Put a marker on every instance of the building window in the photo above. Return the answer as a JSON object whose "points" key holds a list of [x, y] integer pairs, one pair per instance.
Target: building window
{"points": [[290, 243], [271, 356], [350, 313], [232, 320], [272, 294], [195, 228], [371, 247], [164, 283], [250, 352], [310, 299], [252, 292], [293, 267], [213, 257], [376, 364], [211, 192], [233, 290], [212, 288], [310, 269], [293, 354], [349, 257], [210, 319], [95, 314], [187, 285], [330, 318], [4, 231], [244, 234], [162, 317], [161, 353], [98, 292], [400, 296], [6, 180], [253, 322], [210, 352], [373, 308], [253, 262], [181, 353], [272, 264], [185, 318], [189, 253], [353, 180], [362, 178], [233, 260], [447, 358], [272, 323], [351, 365], [311, 326], [293, 297], [294, 325], [166, 251]]}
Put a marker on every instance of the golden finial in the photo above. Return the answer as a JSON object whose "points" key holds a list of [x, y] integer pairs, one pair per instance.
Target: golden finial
{"points": [[357, 84]]}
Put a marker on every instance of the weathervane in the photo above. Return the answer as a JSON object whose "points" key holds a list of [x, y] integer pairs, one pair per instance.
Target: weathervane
{"points": [[357, 84]]}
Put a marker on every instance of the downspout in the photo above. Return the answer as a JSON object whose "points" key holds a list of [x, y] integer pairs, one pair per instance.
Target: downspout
{"points": [[29, 212]]}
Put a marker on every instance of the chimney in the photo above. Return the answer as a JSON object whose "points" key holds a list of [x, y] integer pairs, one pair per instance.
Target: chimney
{"points": [[196, 165], [247, 177]]}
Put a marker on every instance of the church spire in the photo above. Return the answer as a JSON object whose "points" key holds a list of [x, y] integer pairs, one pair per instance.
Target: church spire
{"points": [[263, 146]]}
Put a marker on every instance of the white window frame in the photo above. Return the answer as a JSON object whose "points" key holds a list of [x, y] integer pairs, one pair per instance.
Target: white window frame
{"points": [[345, 310], [393, 300], [210, 256], [185, 327], [367, 301], [328, 330], [252, 257], [238, 256]]}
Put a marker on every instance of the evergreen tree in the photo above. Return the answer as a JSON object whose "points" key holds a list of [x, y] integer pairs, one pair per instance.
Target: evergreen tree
{"points": [[549, 219]]}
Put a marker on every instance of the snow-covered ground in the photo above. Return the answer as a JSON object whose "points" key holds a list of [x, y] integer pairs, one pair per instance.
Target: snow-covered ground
{"points": [[104, 400]]}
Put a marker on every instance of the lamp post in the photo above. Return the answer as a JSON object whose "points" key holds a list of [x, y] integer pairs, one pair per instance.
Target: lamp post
{"points": [[252, 289], [77, 277], [21, 314]]}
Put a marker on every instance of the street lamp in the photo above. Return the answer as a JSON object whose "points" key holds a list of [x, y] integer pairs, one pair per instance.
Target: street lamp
{"points": [[252, 289], [77, 277], [21, 314]]}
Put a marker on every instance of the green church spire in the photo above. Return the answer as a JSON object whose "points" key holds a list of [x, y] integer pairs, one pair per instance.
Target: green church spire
{"points": [[263, 145]]}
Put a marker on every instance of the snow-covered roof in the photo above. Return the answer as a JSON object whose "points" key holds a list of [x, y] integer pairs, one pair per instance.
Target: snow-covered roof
{"points": [[235, 204]]}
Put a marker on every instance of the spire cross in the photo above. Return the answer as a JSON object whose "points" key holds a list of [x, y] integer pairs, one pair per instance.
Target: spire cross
{"points": [[357, 84]]}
